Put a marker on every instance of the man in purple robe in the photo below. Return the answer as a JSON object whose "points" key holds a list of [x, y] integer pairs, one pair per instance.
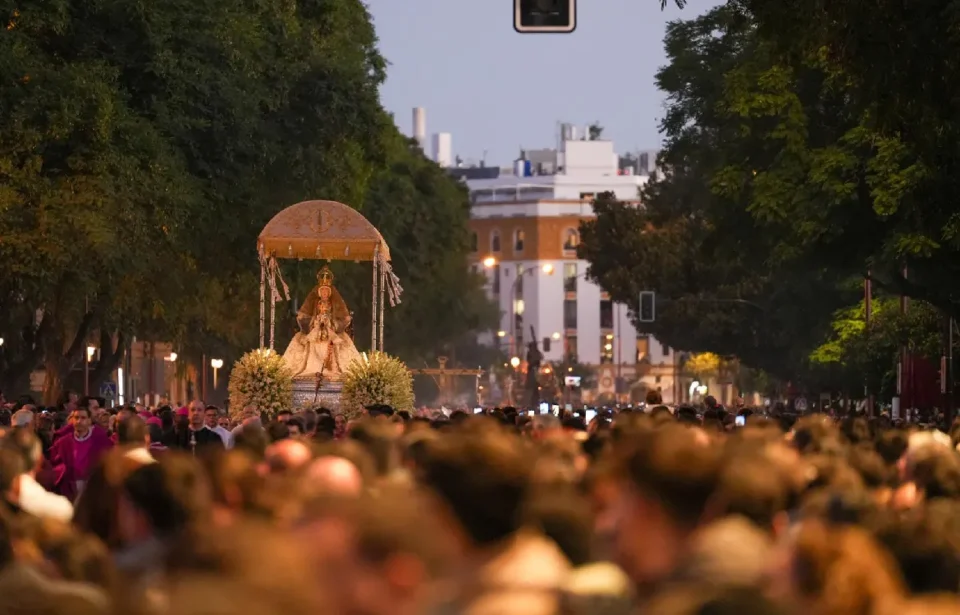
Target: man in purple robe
{"points": [[75, 454]]}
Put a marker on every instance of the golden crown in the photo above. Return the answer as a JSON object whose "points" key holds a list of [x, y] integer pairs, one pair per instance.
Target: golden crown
{"points": [[325, 276]]}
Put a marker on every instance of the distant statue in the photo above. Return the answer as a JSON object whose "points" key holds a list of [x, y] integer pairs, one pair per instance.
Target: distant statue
{"points": [[322, 350], [534, 359]]}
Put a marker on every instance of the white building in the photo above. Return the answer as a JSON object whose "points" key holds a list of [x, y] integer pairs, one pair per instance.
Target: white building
{"points": [[525, 232]]}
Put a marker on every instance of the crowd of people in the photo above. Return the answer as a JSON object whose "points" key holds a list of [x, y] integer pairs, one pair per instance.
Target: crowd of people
{"points": [[652, 511]]}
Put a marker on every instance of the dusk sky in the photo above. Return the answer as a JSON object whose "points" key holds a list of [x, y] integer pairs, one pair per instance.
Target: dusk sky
{"points": [[496, 90]]}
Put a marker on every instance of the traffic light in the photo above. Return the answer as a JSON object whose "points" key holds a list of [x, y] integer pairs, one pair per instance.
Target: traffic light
{"points": [[648, 306], [544, 15]]}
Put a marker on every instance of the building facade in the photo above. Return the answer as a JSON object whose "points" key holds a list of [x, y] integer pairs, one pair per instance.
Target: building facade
{"points": [[525, 232]]}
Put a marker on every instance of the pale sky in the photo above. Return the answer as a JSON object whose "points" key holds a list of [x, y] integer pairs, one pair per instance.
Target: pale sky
{"points": [[497, 90]]}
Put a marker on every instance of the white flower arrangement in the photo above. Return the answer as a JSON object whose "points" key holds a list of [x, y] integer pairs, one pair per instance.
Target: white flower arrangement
{"points": [[377, 378], [261, 378]]}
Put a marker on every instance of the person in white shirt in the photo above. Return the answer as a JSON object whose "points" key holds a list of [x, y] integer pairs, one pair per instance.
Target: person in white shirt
{"points": [[25, 491], [211, 419]]}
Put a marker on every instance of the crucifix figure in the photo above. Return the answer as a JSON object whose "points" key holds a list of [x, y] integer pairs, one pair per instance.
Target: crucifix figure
{"points": [[534, 359]]}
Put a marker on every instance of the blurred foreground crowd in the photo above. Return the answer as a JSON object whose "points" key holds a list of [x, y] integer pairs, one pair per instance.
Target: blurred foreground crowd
{"points": [[650, 512]]}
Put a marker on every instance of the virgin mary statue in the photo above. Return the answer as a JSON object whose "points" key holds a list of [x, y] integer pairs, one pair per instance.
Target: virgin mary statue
{"points": [[322, 348]]}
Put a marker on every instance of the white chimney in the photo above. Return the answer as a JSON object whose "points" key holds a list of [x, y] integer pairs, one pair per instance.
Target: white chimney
{"points": [[443, 149], [420, 126]]}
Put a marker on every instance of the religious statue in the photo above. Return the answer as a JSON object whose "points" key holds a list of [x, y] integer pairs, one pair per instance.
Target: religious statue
{"points": [[534, 358], [322, 350]]}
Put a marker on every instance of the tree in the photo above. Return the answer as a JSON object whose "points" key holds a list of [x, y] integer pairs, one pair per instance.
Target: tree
{"points": [[861, 355], [703, 365], [144, 148], [891, 71], [77, 167], [723, 282]]}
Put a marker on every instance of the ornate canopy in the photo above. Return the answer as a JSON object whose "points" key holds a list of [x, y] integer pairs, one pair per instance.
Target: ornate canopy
{"points": [[325, 230]]}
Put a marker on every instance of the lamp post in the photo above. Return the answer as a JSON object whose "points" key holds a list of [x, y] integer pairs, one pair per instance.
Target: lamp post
{"points": [[216, 364], [86, 369]]}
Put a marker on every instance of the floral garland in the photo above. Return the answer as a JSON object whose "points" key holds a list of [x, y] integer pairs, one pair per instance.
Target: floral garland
{"points": [[377, 378], [261, 378]]}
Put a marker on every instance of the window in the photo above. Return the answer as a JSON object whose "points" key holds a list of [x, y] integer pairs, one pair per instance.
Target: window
{"points": [[606, 314], [643, 348], [588, 196], [474, 242], [518, 237], [495, 271], [474, 269], [569, 277], [518, 284], [606, 349], [570, 347], [518, 324], [571, 239], [495, 241], [666, 350], [569, 314]]}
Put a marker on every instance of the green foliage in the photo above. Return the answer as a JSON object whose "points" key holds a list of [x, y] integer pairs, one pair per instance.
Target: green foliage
{"points": [[261, 378], [144, 147], [726, 280], [896, 151], [378, 379], [859, 354]]}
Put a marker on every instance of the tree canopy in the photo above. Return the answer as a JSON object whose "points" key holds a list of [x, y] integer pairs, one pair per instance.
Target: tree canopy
{"points": [[807, 145], [145, 146], [724, 278]]}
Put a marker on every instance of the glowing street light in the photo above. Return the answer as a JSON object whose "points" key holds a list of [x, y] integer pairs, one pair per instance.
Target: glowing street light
{"points": [[515, 362], [489, 262], [556, 336], [547, 269], [86, 369], [1, 341], [172, 357], [216, 364], [501, 334]]}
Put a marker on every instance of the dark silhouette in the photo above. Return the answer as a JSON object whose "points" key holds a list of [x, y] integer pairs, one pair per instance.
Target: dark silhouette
{"points": [[534, 359]]}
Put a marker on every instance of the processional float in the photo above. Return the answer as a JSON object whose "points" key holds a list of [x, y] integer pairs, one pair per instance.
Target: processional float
{"points": [[326, 231]]}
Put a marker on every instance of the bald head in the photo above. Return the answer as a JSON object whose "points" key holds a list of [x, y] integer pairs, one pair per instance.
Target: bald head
{"points": [[287, 455], [335, 476]]}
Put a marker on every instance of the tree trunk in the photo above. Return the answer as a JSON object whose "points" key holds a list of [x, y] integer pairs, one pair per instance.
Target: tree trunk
{"points": [[57, 361], [110, 357], [53, 383]]}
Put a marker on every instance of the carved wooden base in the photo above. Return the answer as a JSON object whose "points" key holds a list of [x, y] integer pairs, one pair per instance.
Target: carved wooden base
{"points": [[305, 394]]}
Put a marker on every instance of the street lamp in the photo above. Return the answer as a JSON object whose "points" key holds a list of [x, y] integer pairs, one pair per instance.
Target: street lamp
{"points": [[86, 369], [515, 362], [1, 341], [216, 364], [499, 334], [489, 262], [172, 357]]}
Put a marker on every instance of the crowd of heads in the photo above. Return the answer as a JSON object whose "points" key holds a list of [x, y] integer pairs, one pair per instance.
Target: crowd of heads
{"points": [[651, 510]]}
